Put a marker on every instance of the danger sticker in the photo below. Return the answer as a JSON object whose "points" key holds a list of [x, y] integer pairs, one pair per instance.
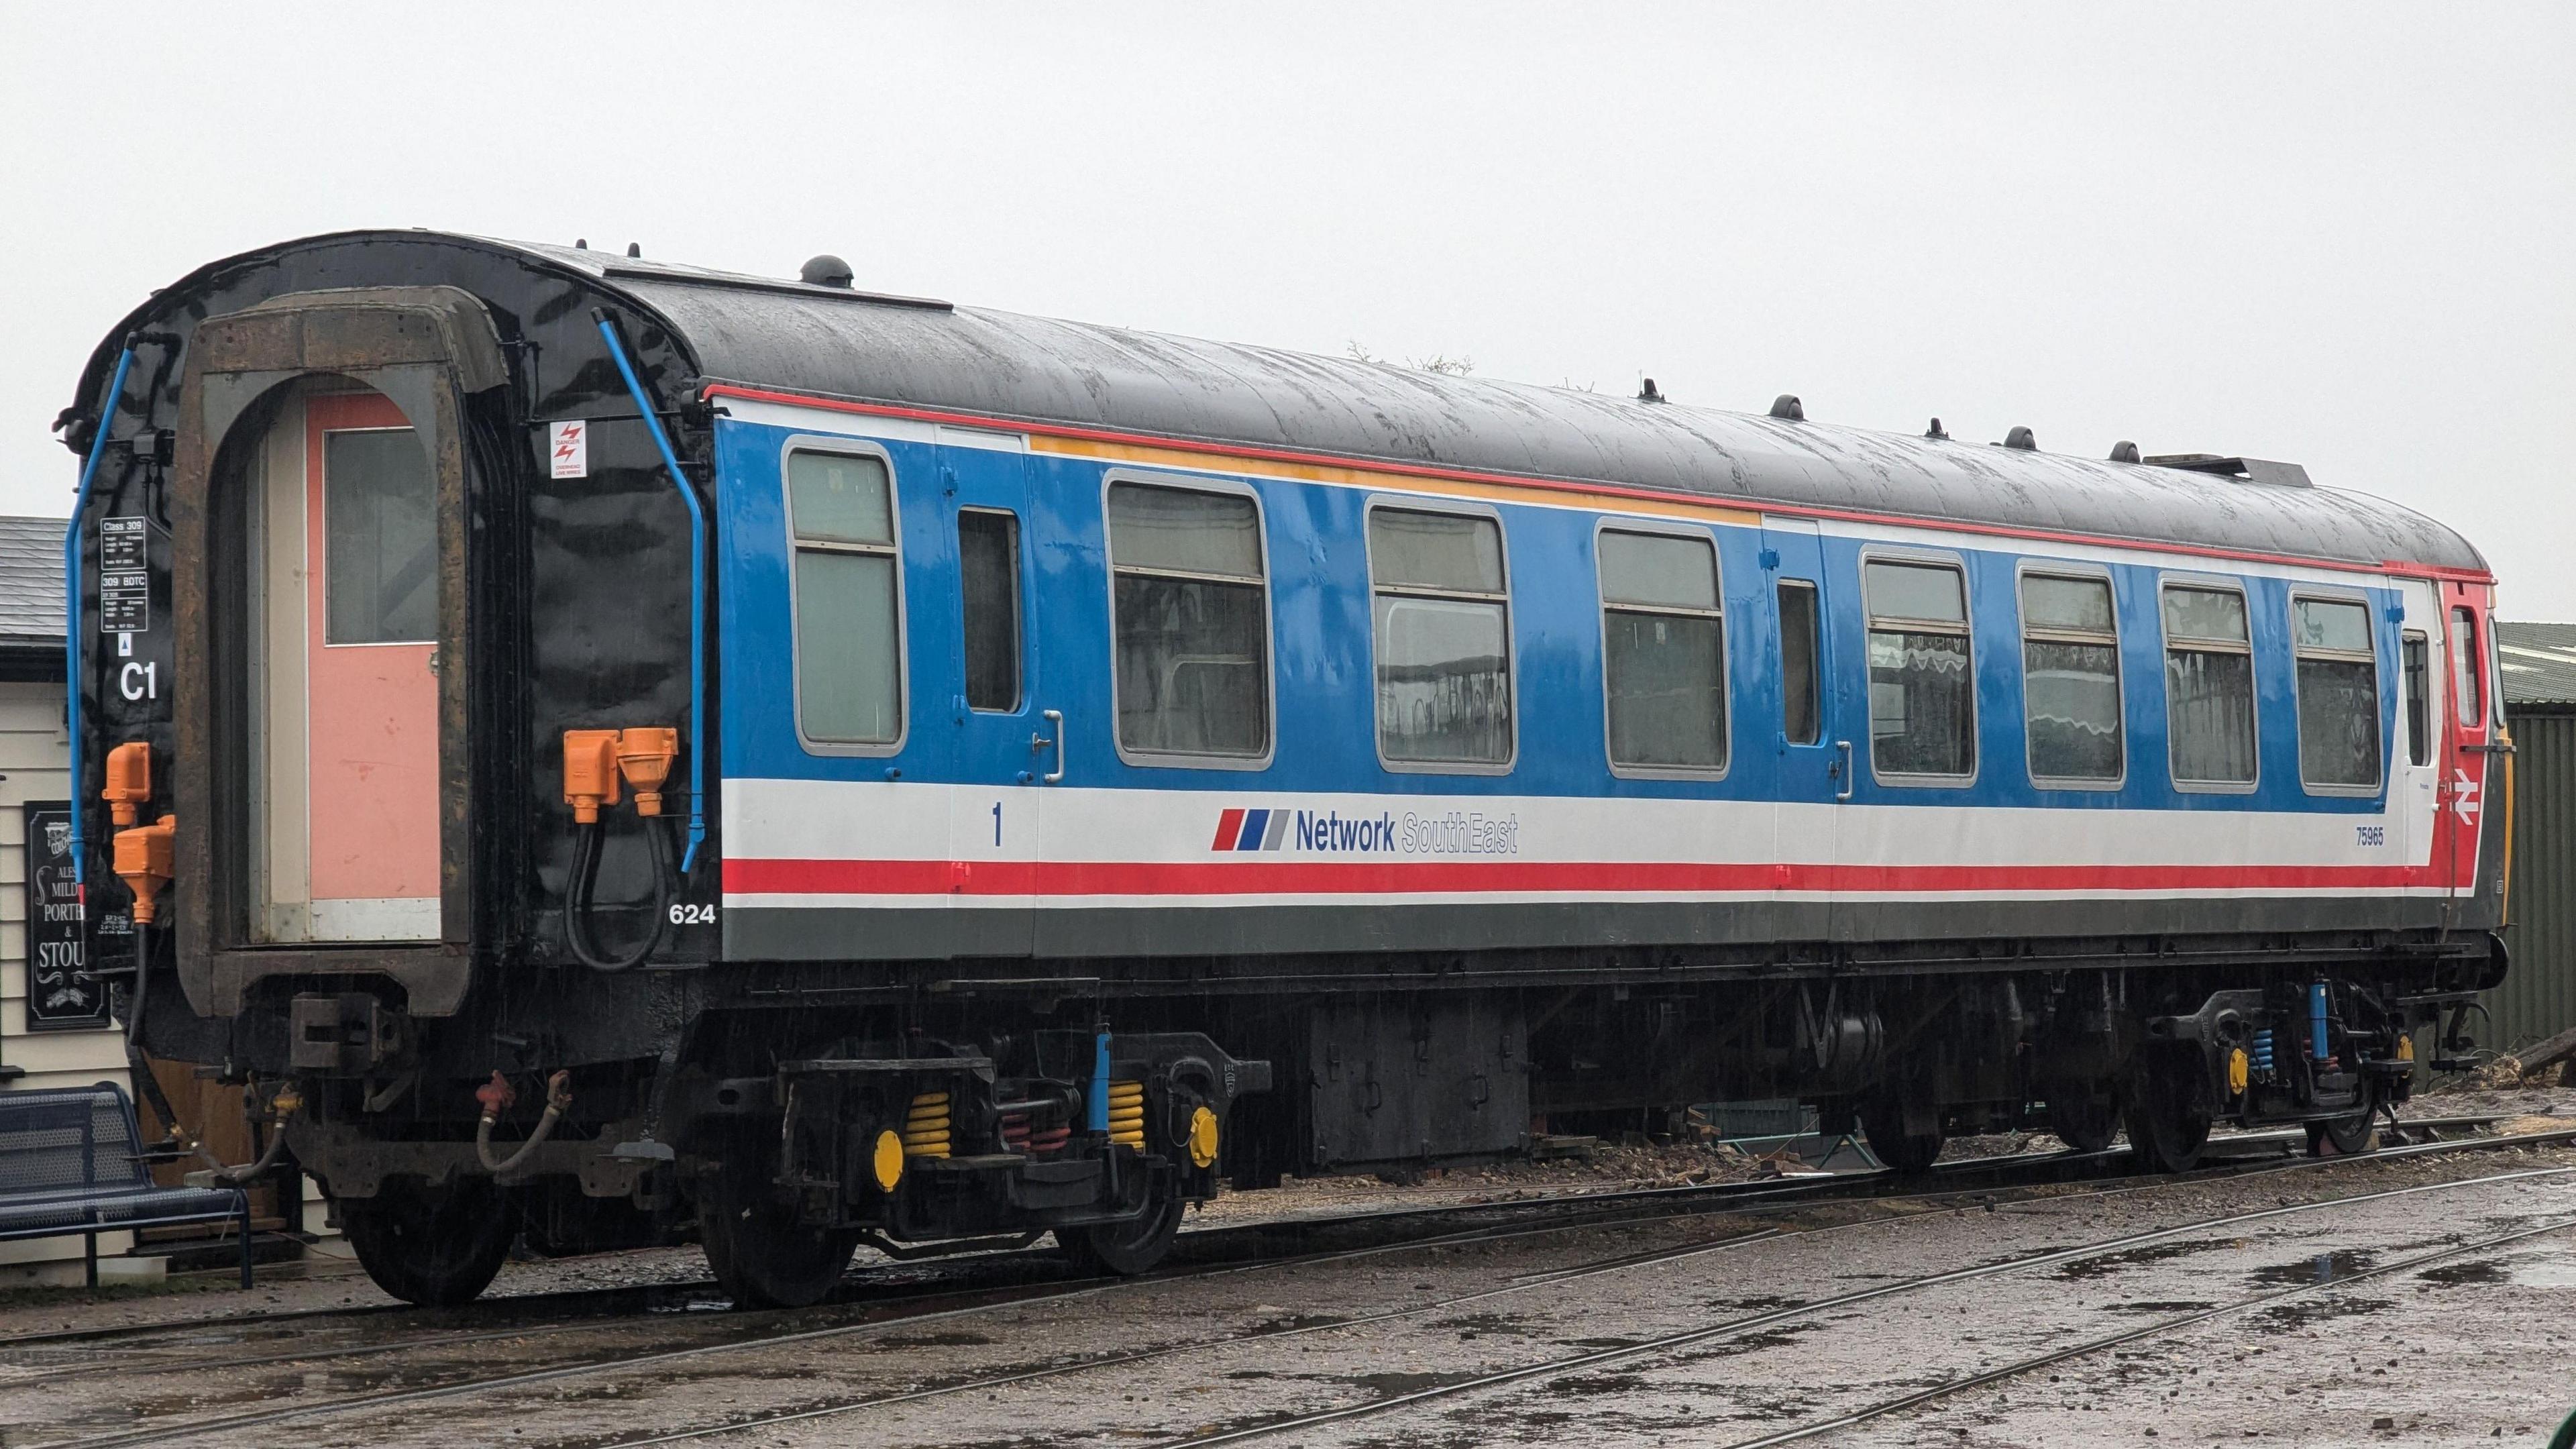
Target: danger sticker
{"points": [[569, 442]]}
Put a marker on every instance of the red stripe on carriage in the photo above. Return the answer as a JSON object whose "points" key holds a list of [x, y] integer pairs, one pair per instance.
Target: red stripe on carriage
{"points": [[1263, 876], [1228, 825]]}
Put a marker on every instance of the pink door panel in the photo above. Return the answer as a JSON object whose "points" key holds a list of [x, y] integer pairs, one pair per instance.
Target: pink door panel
{"points": [[371, 551]]}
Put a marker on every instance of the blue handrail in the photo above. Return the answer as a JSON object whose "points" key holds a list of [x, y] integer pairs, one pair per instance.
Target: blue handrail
{"points": [[697, 594], [72, 610]]}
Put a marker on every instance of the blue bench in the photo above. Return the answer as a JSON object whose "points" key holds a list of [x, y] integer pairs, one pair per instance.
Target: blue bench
{"points": [[71, 1161]]}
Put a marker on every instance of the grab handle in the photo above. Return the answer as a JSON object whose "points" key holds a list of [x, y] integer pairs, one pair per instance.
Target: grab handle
{"points": [[1055, 742], [1845, 766]]}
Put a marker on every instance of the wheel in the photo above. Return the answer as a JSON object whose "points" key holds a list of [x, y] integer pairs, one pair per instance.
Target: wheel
{"points": [[760, 1254], [1883, 1121], [2167, 1111], [2085, 1118], [1123, 1249], [2347, 1136], [436, 1247]]}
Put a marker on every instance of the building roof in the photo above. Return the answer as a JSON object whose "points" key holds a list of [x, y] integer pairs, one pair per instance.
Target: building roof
{"points": [[31, 579], [2539, 662]]}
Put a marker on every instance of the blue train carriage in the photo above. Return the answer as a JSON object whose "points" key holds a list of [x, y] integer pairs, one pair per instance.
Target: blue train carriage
{"points": [[607, 751]]}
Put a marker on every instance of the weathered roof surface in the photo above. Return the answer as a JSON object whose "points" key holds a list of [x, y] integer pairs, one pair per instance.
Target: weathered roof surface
{"points": [[781, 334], [836, 343], [31, 580], [2539, 662]]}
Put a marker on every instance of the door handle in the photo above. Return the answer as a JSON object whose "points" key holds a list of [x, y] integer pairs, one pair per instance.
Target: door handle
{"points": [[1844, 765], [1039, 744]]}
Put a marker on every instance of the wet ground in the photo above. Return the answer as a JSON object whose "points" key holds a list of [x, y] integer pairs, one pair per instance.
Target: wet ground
{"points": [[2332, 1318]]}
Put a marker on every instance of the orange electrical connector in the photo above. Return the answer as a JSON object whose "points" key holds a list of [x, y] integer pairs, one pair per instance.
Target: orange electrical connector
{"points": [[129, 781], [590, 772], [143, 855], [644, 756]]}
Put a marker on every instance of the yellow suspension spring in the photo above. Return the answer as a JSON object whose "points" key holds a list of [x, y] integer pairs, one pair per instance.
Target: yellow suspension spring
{"points": [[925, 1129], [1127, 1114]]}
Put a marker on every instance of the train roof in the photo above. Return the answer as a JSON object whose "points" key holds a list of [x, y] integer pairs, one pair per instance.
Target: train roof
{"points": [[835, 342]]}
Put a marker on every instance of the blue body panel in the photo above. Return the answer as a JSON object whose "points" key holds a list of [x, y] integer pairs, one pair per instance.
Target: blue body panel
{"points": [[1324, 724]]}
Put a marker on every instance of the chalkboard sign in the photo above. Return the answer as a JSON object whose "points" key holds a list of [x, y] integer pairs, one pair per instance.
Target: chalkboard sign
{"points": [[57, 999]]}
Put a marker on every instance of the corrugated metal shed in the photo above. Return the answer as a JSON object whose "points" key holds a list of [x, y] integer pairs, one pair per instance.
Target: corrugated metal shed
{"points": [[2539, 998]]}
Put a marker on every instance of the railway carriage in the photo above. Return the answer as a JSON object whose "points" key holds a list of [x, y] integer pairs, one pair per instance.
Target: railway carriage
{"points": [[605, 750]]}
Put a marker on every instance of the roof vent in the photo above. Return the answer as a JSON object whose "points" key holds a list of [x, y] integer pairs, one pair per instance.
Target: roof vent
{"points": [[635, 249], [2021, 438], [825, 270], [1934, 431], [2252, 470], [2124, 451], [1647, 393], [1787, 406], [581, 244]]}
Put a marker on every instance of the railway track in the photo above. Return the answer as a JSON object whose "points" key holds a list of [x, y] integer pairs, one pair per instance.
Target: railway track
{"points": [[1623, 1262], [1751, 1323], [697, 1295], [1220, 1251]]}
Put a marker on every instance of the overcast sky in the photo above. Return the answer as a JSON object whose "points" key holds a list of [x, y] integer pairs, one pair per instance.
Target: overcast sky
{"points": [[2337, 234]]}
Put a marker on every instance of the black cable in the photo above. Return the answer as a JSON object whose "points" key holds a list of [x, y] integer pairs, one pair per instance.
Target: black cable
{"points": [[584, 880], [141, 1067]]}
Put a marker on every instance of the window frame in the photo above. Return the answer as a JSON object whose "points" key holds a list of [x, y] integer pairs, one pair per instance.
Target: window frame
{"points": [[2464, 618], [2419, 743], [1966, 629], [848, 448], [1410, 503], [1019, 609], [2331, 594], [1650, 528], [1109, 570], [2089, 573], [325, 511], [1780, 585], [2216, 584]]}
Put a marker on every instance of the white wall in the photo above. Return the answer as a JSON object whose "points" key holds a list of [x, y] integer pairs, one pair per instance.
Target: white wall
{"points": [[35, 759]]}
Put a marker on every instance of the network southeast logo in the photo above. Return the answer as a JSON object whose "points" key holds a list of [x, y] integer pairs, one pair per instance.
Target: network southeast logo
{"points": [[1455, 832]]}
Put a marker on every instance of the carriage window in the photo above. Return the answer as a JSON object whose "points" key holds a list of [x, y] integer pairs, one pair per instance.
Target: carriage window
{"points": [[988, 578], [1922, 692], [2466, 673], [2209, 687], [1441, 617], [2070, 679], [2414, 656], [380, 539], [1191, 614], [1663, 651], [849, 643], [2338, 667], [1801, 714]]}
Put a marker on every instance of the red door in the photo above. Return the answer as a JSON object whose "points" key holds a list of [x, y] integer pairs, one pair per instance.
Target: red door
{"points": [[371, 616], [2464, 781]]}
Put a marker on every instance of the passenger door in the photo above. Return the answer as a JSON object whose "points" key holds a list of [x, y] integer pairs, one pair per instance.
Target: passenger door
{"points": [[349, 626], [2419, 763], [1814, 759], [996, 713]]}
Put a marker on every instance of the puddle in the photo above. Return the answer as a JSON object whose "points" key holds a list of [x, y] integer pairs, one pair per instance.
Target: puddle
{"points": [[2320, 1309], [2456, 1275], [1592, 1386], [1757, 1303], [933, 1340], [2170, 1305], [1476, 1325], [1388, 1385], [2323, 1268], [2110, 1263]]}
